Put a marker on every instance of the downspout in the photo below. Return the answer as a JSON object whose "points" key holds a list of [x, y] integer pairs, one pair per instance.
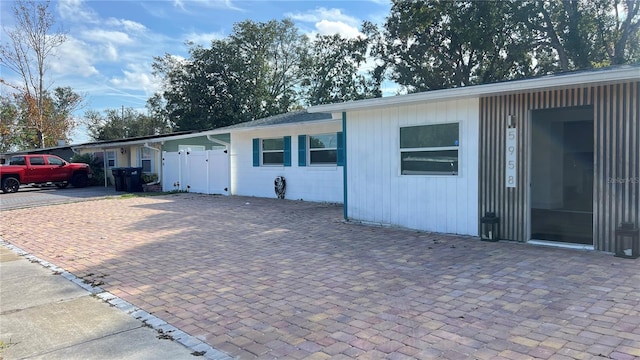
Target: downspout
{"points": [[104, 163], [344, 168], [146, 145], [220, 142]]}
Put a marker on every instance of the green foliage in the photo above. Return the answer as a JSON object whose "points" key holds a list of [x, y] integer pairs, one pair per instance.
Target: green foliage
{"points": [[20, 128], [261, 69], [331, 72], [123, 123], [149, 178], [96, 165], [442, 44], [44, 117], [251, 74]]}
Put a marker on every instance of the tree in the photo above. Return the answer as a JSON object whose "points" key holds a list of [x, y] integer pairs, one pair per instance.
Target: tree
{"points": [[251, 74], [9, 124], [30, 45], [19, 110], [331, 72], [581, 34], [123, 123], [442, 44]]}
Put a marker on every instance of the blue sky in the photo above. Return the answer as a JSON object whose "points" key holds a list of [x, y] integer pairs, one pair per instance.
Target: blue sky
{"points": [[111, 44]]}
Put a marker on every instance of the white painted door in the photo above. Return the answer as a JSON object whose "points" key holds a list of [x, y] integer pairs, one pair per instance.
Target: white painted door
{"points": [[171, 171], [205, 172], [219, 177]]}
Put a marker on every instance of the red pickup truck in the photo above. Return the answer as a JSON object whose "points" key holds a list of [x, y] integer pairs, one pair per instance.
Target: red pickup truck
{"points": [[42, 169]]}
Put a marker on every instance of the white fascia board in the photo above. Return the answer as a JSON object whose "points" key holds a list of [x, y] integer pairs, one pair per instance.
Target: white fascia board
{"points": [[627, 73], [117, 144], [278, 126]]}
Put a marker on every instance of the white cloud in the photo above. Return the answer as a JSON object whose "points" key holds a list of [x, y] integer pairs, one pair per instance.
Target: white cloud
{"points": [[136, 77], [73, 57], [111, 52], [329, 22], [216, 4], [327, 27], [319, 14], [204, 39], [76, 11], [128, 25], [113, 37]]}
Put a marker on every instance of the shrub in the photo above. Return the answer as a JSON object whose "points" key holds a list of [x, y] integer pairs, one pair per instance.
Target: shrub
{"points": [[96, 165], [149, 178]]}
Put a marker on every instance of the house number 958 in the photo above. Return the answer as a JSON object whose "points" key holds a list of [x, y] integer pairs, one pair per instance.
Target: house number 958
{"points": [[511, 158]]}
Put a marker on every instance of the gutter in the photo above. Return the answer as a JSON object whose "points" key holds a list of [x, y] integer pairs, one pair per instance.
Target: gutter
{"points": [[158, 151], [580, 79]]}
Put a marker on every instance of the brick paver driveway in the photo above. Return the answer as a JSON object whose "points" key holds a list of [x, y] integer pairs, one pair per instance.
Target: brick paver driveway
{"points": [[286, 279]]}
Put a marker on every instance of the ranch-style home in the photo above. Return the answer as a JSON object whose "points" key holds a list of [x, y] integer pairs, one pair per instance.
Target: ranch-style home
{"points": [[245, 159], [554, 159]]}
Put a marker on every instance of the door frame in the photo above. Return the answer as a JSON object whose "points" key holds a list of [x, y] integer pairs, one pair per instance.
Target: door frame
{"points": [[529, 181]]}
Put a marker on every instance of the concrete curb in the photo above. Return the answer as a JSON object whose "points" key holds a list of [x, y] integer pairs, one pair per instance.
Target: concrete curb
{"points": [[171, 332]]}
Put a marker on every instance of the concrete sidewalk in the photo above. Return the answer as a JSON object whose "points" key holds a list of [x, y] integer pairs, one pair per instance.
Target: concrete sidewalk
{"points": [[46, 313]]}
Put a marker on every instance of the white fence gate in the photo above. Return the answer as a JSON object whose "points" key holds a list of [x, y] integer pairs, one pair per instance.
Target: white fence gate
{"points": [[205, 172]]}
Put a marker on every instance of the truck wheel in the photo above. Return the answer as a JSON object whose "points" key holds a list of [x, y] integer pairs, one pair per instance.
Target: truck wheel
{"points": [[80, 180], [10, 184]]}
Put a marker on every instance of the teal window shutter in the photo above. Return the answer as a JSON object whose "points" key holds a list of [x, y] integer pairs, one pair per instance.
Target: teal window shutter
{"points": [[340, 150], [256, 152], [287, 151], [302, 150]]}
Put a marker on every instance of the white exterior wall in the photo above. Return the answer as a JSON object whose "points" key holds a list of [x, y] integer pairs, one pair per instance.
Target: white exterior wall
{"points": [[309, 183], [377, 193]]}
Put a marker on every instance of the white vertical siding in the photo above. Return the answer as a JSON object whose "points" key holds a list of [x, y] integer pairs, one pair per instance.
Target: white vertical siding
{"points": [[309, 183], [378, 193]]}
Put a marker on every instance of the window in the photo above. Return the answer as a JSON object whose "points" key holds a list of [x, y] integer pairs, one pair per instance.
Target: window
{"points": [[429, 149], [55, 161], [323, 149], [111, 159], [146, 159], [275, 151], [37, 160], [17, 160]]}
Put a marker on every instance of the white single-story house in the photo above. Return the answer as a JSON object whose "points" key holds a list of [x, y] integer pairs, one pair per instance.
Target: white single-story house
{"points": [[298, 146], [138, 152], [555, 158]]}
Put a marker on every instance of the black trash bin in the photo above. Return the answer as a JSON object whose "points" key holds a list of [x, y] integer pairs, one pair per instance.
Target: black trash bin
{"points": [[118, 179], [133, 179]]}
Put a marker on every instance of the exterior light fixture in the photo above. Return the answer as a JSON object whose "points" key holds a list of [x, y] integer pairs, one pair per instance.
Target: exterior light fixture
{"points": [[490, 227], [627, 241]]}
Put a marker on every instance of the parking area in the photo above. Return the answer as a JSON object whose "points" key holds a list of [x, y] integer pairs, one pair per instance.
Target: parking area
{"points": [[274, 279], [30, 196]]}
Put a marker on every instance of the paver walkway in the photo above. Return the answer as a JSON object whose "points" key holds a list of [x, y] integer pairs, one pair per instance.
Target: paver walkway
{"points": [[266, 278]]}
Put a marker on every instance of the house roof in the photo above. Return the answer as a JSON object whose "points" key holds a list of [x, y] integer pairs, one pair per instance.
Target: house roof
{"points": [[567, 79], [294, 117], [140, 140], [290, 118]]}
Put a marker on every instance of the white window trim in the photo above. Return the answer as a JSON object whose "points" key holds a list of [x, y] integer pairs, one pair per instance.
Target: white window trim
{"points": [[152, 167], [439, 148], [263, 151], [309, 150], [115, 159]]}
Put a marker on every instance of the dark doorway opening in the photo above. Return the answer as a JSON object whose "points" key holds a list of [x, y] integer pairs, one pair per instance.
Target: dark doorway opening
{"points": [[562, 175]]}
